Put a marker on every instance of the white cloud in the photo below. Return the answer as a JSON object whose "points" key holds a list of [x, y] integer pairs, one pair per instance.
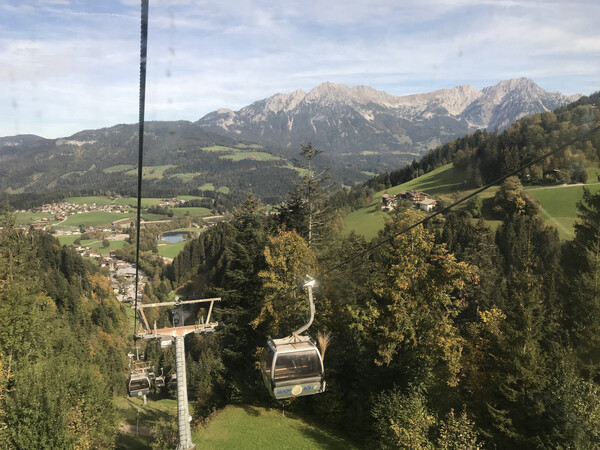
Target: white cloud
{"points": [[58, 60]]}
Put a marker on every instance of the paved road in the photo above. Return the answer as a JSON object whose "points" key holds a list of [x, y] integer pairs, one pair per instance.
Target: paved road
{"points": [[561, 186]]}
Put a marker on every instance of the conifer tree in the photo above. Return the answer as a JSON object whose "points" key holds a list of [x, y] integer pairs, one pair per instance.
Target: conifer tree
{"points": [[306, 210]]}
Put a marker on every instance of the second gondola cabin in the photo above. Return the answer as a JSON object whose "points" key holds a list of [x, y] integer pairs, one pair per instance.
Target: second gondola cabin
{"points": [[292, 367], [139, 384]]}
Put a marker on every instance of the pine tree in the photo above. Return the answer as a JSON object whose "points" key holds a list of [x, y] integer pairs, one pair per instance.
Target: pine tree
{"points": [[306, 210]]}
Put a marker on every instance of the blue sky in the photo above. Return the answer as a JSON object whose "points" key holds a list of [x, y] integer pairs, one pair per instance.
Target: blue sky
{"points": [[69, 65]]}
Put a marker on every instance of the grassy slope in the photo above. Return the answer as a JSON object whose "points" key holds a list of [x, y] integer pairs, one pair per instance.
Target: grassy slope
{"points": [[127, 412], [194, 211], [119, 168], [130, 201], [170, 250], [68, 240], [93, 244], [185, 177], [151, 172], [250, 427], [94, 218], [369, 220], [188, 197], [558, 206], [98, 200], [557, 202], [218, 148], [258, 156], [25, 218], [236, 427]]}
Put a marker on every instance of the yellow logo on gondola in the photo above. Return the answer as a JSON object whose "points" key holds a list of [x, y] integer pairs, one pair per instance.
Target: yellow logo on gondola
{"points": [[297, 390]]}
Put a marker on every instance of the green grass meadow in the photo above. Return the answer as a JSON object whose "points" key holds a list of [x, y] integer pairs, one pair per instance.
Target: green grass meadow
{"points": [[369, 220], [97, 246], [557, 203], [219, 148], [123, 201], [241, 152], [151, 172], [245, 146], [185, 177], [250, 427], [98, 200], [235, 427], [93, 244], [257, 156], [188, 197], [130, 201], [170, 250], [68, 240], [25, 218], [207, 187], [119, 168], [211, 187], [93, 218], [194, 211], [149, 217], [558, 206]]}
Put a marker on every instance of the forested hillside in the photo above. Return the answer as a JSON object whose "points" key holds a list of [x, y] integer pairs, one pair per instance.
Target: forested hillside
{"points": [[179, 158], [484, 156], [62, 346]]}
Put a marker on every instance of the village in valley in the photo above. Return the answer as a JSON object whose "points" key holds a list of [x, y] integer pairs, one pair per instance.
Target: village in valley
{"points": [[97, 229]]}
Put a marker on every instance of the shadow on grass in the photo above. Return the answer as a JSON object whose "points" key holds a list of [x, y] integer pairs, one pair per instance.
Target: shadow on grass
{"points": [[147, 415], [251, 410], [130, 442], [323, 439], [487, 209]]}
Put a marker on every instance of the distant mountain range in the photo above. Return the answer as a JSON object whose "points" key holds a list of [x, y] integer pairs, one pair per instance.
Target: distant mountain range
{"points": [[362, 131], [380, 127], [178, 158]]}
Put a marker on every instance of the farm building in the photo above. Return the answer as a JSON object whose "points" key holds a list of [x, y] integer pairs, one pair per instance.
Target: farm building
{"points": [[388, 202], [414, 196], [428, 204]]}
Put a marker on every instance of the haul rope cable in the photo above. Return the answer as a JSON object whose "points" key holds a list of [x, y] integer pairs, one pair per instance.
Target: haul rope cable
{"points": [[142, 86], [372, 247]]}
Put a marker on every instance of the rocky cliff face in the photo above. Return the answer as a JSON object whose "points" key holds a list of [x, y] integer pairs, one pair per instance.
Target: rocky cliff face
{"points": [[361, 119]]}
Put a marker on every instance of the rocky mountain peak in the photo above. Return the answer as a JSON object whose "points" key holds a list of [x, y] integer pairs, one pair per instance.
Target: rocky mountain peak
{"points": [[360, 118], [328, 93], [523, 85]]}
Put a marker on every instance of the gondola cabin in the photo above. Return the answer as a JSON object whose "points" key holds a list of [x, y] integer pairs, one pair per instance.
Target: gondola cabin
{"points": [[292, 367], [139, 384]]}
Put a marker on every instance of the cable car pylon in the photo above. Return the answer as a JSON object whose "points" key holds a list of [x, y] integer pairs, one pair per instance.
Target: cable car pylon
{"points": [[177, 334]]}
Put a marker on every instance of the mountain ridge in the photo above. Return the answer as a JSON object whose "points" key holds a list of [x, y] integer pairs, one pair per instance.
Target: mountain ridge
{"points": [[360, 119]]}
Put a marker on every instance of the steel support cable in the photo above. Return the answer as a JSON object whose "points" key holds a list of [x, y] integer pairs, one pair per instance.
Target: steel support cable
{"points": [[142, 87], [372, 247]]}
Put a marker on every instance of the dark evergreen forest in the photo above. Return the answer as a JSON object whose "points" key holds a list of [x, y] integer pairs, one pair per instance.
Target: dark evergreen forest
{"points": [[62, 346]]}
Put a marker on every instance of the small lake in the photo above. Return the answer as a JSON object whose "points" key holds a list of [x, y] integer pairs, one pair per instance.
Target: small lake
{"points": [[173, 237]]}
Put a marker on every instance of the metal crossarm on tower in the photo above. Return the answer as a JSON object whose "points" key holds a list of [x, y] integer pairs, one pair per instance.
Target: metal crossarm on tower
{"points": [[166, 332]]}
